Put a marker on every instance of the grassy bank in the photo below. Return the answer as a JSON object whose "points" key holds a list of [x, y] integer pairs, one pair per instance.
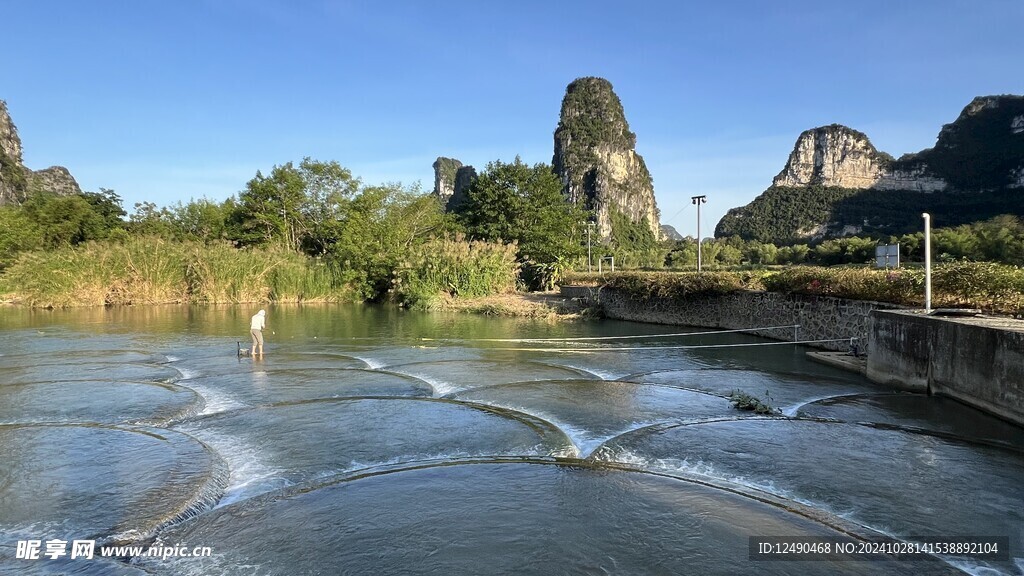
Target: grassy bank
{"points": [[151, 270], [994, 288], [154, 271]]}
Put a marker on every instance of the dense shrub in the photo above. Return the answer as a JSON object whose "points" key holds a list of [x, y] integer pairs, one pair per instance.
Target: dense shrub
{"points": [[897, 286], [456, 267], [647, 285], [991, 287]]}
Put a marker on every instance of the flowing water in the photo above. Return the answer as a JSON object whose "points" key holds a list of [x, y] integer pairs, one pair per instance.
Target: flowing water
{"points": [[378, 440]]}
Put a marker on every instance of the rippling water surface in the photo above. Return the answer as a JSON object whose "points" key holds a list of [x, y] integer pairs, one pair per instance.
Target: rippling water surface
{"points": [[376, 440]]}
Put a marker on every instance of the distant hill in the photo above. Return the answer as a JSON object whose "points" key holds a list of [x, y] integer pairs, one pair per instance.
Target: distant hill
{"points": [[18, 182], [836, 183], [670, 233]]}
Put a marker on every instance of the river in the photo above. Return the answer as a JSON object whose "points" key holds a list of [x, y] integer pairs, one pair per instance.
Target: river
{"points": [[377, 440]]}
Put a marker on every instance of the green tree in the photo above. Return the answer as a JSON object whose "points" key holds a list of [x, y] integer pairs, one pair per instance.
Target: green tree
{"points": [[683, 254], [18, 233], [299, 207], [633, 243], [728, 254], [107, 205], [149, 220], [66, 220], [203, 220], [328, 187], [762, 253], [270, 207], [380, 227], [524, 204]]}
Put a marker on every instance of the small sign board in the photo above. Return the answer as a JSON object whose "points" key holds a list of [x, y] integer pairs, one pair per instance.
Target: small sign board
{"points": [[887, 256]]}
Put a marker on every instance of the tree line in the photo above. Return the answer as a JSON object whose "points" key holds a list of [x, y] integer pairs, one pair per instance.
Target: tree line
{"points": [[368, 232], [320, 209], [999, 239]]}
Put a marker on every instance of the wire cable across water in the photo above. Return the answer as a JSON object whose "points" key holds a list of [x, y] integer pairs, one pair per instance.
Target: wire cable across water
{"points": [[688, 347], [595, 338]]}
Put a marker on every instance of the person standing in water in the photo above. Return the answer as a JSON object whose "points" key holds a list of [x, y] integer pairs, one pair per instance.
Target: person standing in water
{"points": [[256, 327]]}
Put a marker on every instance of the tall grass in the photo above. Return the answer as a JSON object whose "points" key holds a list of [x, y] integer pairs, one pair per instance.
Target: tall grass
{"points": [[455, 267], [147, 270]]}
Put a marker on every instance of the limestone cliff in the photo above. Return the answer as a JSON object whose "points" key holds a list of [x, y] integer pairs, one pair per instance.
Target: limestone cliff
{"points": [[55, 179], [464, 178], [444, 177], [451, 179], [17, 181], [12, 173], [595, 157], [836, 183], [980, 149], [833, 155], [842, 157]]}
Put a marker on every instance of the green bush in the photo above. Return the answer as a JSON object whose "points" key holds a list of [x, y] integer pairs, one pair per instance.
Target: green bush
{"points": [[896, 286], [455, 267], [991, 287], [983, 285], [680, 285]]}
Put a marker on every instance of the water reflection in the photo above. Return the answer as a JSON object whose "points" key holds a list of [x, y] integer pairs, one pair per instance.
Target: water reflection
{"points": [[266, 452]]}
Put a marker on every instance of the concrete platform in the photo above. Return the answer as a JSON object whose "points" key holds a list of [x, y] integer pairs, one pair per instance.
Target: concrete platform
{"points": [[858, 364]]}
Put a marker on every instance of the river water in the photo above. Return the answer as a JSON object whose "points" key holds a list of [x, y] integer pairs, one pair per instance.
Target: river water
{"points": [[378, 440]]}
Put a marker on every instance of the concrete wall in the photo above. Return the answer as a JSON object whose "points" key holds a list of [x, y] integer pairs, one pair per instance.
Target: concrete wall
{"points": [[979, 361], [819, 317]]}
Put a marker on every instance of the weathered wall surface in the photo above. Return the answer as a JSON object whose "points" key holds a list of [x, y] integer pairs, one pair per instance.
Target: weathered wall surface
{"points": [[819, 317], [979, 361]]}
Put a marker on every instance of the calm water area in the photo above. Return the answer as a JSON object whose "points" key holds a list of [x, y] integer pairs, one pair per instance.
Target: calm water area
{"points": [[376, 440]]}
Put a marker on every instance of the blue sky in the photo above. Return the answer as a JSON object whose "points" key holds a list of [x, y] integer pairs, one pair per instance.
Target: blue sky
{"points": [[167, 101]]}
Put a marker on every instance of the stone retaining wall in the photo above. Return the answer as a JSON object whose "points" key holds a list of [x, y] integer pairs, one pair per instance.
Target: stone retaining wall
{"points": [[978, 361], [819, 317]]}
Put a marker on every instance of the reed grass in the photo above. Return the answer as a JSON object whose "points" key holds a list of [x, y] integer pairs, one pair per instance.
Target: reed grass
{"points": [[149, 270], [457, 268]]}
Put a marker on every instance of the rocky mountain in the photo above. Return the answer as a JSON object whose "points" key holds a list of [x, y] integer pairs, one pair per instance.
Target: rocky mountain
{"points": [[668, 232], [17, 181], [451, 179], [835, 183], [444, 177], [595, 157]]}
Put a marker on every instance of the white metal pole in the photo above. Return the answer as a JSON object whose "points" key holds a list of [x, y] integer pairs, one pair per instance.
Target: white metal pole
{"points": [[698, 200], [927, 262], [590, 265], [698, 238]]}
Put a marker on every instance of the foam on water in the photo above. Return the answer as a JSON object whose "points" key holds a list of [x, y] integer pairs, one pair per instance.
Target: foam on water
{"points": [[216, 400], [248, 474], [793, 410], [706, 470], [597, 372], [371, 363]]}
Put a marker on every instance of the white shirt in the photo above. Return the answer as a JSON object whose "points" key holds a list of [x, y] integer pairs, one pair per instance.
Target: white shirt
{"points": [[259, 322]]}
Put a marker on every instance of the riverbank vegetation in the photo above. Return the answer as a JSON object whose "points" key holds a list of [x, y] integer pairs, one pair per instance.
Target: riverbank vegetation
{"points": [[994, 288], [306, 232], [313, 232]]}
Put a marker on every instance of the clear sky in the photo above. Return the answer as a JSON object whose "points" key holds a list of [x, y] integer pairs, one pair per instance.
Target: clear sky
{"points": [[171, 100]]}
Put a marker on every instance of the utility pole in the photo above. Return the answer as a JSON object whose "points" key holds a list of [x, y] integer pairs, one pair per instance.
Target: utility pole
{"points": [[927, 262], [698, 200]]}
